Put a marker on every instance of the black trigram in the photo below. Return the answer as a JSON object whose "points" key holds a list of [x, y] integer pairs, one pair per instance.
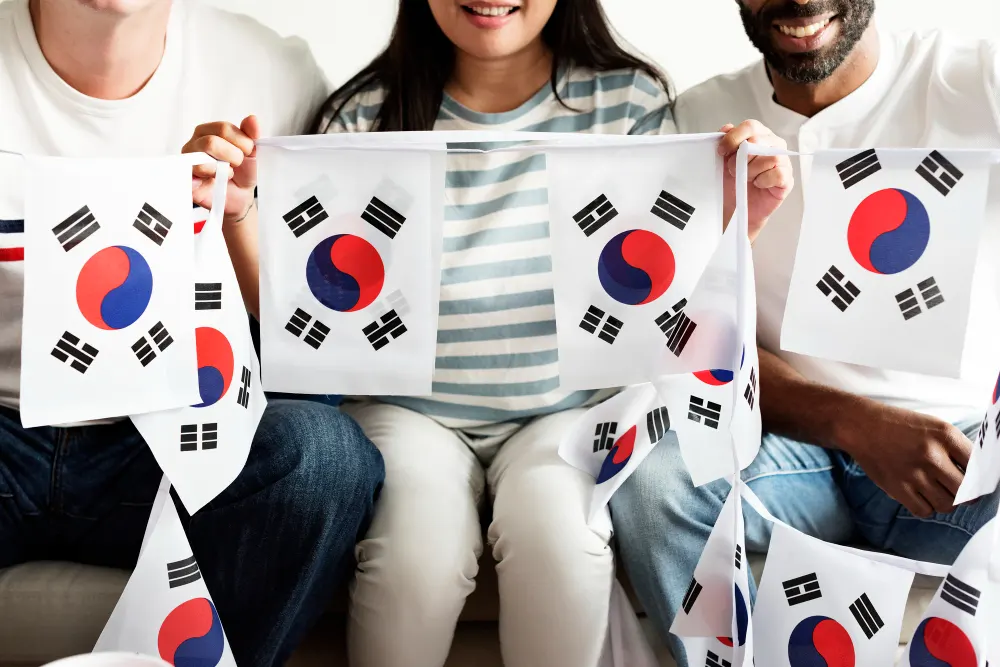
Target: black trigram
{"points": [[79, 354], [153, 224], [704, 412], [243, 397], [693, 591], [909, 302], [677, 327], [305, 216], [160, 338], [208, 296], [592, 320], [75, 229], [939, 172], [672, 210], [750, 393], [960, 595], [739, 556], [381, 330], [857, 168], [657, 424], [183, 572], [298, 322], [802, 589], [984, 429], [604, 436], [713, 660], [842, 291], [595, 215], [867, 617], [996, 426], [190, 437], [383, 217]]}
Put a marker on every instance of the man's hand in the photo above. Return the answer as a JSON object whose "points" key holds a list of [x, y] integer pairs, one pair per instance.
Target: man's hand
{"points": [[235, 145], [917, 460], [770, 178]]}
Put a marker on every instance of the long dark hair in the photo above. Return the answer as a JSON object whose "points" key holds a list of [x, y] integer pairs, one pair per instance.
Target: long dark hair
{"points": [[415, 66]]}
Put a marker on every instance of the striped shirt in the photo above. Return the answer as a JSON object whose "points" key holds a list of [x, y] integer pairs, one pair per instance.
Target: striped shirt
{"points": [[497, 357]]}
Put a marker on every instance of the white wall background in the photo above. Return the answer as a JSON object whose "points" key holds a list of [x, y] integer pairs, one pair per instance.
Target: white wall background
{"points": [[691, 39]]}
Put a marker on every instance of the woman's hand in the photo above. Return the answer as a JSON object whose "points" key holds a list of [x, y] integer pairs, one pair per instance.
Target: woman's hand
{"points": [[770, 177], [235, 145]]}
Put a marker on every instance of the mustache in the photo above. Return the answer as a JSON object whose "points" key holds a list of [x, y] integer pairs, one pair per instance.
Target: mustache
{"points": [[792, 10]]}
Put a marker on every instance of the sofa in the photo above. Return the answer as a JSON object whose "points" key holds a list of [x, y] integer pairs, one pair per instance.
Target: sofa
{"points": [[52, 610]]}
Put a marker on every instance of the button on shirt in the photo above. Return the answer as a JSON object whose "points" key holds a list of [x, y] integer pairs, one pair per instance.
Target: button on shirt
{"points": [[928, 90]]}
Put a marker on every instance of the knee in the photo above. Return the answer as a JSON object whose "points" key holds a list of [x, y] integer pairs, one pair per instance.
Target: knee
{"points": [[327, 461]]}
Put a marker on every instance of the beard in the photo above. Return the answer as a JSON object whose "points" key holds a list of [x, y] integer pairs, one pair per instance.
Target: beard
{"points": [[855, 16]]}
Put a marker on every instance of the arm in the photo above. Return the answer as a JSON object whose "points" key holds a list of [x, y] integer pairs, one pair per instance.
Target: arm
{"points": [[916, 459]]}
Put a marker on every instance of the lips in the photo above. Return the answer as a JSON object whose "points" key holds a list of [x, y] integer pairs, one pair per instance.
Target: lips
{"points": [[489, 10]]}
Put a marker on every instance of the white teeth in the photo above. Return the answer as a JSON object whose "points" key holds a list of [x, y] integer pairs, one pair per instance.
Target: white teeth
{"points": [[491, 11], [803, 31]]}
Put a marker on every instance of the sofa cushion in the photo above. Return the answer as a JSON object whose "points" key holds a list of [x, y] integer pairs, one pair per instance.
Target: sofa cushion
{"points": [[50, 610]]}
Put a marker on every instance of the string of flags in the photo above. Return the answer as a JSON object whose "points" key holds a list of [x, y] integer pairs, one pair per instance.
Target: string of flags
{"points": [[132, 310]]}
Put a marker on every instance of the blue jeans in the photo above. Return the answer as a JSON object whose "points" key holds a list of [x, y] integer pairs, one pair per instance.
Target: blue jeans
{"points": [[273, 547], [662, 521]]}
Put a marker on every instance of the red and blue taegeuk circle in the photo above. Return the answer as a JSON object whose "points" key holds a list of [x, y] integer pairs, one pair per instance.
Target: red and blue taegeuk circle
{"points": [[720, 376], [889, 231], [742, 619], [819, 641], [345, 273], [941, 643], [996, 391], [191, 635], [215, 365], [636, 267], [618, 457], [114, 288]]}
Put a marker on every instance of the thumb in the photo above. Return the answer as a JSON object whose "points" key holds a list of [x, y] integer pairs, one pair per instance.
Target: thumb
{"points": [[251, 128]]}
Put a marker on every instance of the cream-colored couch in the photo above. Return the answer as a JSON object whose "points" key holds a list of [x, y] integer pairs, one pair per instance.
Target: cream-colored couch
{"points": [[51, 610]]}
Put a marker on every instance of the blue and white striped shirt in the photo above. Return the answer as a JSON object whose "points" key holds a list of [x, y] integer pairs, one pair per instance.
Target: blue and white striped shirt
{"points": [[497, 358]]}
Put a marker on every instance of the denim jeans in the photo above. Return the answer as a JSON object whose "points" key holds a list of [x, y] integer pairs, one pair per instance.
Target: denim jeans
{"points": [[273, 547], [662, 521]]}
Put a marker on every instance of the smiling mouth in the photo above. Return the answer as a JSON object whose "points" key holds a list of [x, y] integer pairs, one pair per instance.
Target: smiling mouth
{"points": [[801, 31], [489, 11]]}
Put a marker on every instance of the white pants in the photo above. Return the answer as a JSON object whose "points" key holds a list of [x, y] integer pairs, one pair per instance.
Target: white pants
{"points": [[418, 562]]}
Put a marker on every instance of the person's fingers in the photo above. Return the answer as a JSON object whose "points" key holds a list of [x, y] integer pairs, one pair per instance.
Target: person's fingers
{"points": [[779, 178], [219, 149], [958, 446], [934, 493], [729, 143], [251, 128], [914, 502], [949, 476], [760, 165], [227, 131], [726, 127]]}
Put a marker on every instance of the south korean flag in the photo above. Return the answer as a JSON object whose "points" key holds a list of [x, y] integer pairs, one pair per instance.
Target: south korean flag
{"points": [[875, 279], [166, 610], [718, 596], [818, 604], [612, 439], [633, 229], [108, 327], [960, 623], [350, 268], [202, 448], [717, 409], [983, 472]]}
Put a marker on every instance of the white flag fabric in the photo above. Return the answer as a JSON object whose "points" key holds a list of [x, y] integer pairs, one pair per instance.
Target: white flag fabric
{"points": [[350, 268], [818, 604], [875, 279], [612, 439], [983, 472], [165, 610], [957, 628], [627, 645], [633, 228], [202, 448], [719, 592], [107, 321], [710, 413]]}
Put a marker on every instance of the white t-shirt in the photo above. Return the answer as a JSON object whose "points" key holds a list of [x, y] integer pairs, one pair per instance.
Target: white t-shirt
{"points": [[216, 66], [927, 90]]}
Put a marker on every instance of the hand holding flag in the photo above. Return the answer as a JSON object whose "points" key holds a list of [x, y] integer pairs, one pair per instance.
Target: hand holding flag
{"points": [[772, 176]]}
